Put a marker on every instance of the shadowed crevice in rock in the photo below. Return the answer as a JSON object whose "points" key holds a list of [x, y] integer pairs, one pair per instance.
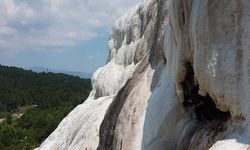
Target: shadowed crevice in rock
{"points": [[203, 106], [107, 139], [210, 120]]}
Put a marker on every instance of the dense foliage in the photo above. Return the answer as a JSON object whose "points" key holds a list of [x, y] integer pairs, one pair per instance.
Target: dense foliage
{"points": [[44, 99]]}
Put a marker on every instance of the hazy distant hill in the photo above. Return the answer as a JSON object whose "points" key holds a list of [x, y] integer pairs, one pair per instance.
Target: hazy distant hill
{"points": [[38, 69]]}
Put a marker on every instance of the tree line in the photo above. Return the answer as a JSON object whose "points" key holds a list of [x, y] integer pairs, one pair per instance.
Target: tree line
{"points": [[41, 99]]}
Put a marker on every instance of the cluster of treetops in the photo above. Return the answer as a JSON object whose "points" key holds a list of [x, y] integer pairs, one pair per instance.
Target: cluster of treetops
{"points": [[32, 104]]}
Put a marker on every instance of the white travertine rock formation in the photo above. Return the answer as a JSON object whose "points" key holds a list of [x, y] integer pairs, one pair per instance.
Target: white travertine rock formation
{"points": [[80, 129], [144, 98]]}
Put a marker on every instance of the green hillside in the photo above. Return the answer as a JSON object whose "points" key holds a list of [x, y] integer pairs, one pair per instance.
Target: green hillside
{"points": [[32, 104]]}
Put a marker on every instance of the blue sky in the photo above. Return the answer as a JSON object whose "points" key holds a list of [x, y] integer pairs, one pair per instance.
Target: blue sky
{"points": [[60, 34]]}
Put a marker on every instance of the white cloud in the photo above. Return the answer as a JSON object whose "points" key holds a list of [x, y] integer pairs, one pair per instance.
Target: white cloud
{"points": [[54, 24]]}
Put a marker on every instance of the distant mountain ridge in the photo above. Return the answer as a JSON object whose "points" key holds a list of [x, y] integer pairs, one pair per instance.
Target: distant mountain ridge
{"points": [[38, 69]]}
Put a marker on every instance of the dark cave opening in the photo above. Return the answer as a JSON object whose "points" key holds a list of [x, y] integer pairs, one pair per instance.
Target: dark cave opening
{"points": [[203, 106]]}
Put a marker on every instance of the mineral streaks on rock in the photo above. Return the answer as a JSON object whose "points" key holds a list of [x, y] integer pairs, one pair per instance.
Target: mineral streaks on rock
{"points": [[121, 125], [180, 80], [205, 34], [80, 129]]}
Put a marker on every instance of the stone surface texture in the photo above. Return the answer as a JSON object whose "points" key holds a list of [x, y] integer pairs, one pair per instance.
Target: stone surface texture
{"points": [[137, 97]]}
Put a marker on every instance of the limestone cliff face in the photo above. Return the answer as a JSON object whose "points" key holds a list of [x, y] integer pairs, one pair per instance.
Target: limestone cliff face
{"points": [[177, 77]]}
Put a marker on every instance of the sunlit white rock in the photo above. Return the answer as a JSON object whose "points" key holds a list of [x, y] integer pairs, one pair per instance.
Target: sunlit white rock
{"points": [[140, 88]]}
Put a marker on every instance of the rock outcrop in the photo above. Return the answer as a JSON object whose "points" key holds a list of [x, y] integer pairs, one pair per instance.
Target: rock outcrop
{"points": [[177, 77]]}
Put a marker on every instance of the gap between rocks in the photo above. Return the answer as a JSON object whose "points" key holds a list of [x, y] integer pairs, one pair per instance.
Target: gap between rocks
{"points": [[211, 121]]}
